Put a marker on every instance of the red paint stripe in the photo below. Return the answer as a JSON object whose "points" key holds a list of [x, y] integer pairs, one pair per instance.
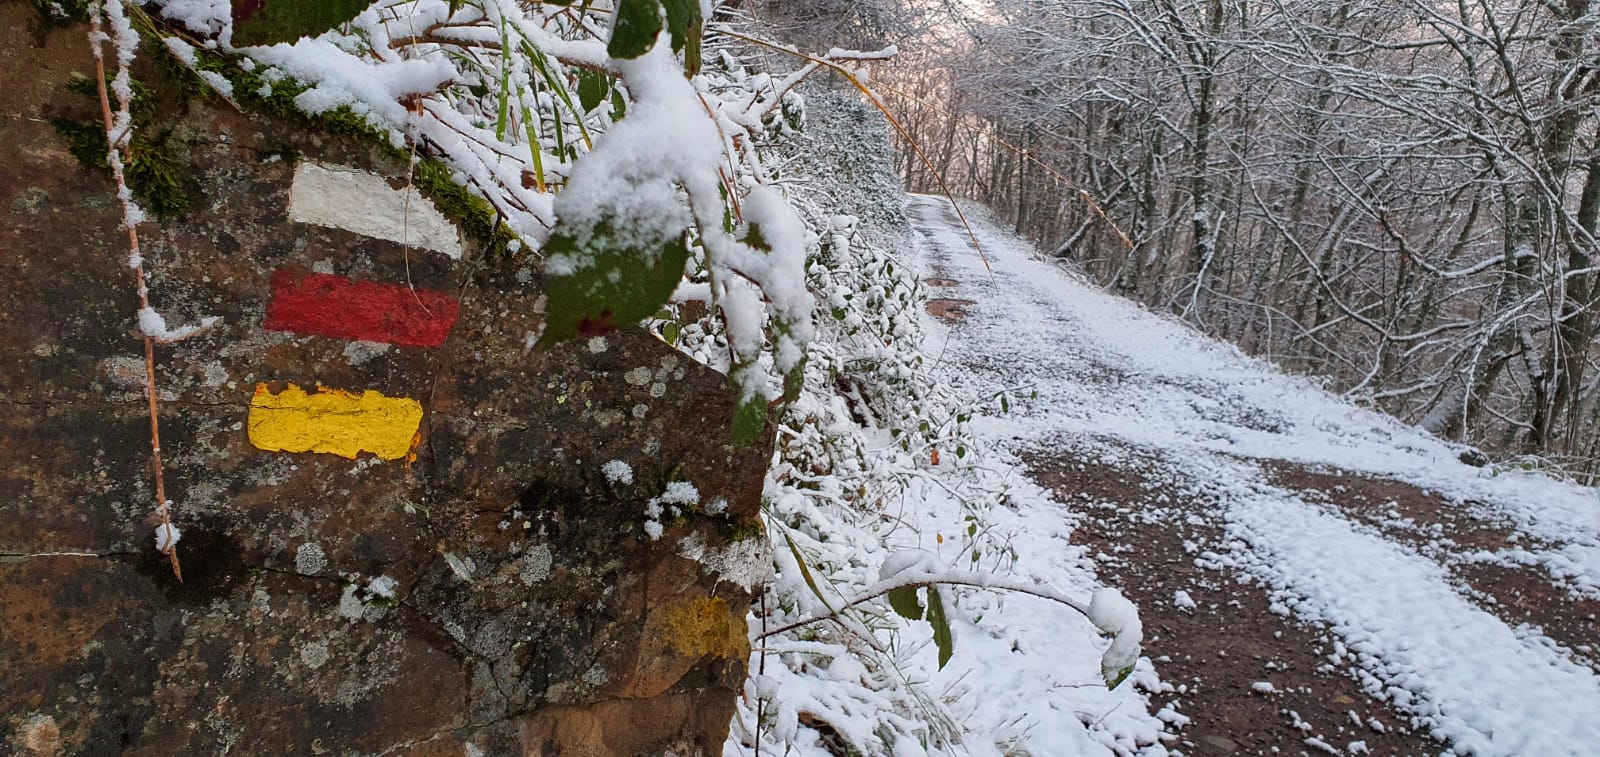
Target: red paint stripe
{"points": [[324, 305]]}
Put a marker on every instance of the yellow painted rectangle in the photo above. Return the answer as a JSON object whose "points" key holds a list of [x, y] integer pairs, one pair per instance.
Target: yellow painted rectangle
{"points": [[333, 421]]}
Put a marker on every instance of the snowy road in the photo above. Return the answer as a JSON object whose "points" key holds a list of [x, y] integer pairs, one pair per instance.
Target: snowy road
{"points": [[1361, 577]]}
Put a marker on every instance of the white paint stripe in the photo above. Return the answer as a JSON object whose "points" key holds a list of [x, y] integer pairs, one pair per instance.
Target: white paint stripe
{"points": [[340, 197]]}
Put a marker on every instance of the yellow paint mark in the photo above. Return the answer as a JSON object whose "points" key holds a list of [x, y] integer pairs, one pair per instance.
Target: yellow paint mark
{"points": [[333, 421]]}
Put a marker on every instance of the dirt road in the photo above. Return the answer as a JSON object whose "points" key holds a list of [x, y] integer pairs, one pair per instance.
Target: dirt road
{"points": [[1313, 577]]}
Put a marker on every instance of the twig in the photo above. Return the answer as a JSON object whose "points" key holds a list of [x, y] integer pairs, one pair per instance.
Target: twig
{"points": [[117, 142], [918, 579]]}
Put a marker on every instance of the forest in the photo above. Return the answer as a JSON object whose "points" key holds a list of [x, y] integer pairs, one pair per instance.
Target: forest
{"points": [[1400, 197]]}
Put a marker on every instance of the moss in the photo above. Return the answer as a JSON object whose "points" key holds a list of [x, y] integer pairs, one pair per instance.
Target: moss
{"points": [[79, 84], [745, 530], [157, 179], [62, 12], [476, 216], [431, 177], [152, 172], [86, 141]]}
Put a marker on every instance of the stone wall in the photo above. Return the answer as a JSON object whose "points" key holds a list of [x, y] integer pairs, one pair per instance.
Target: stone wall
{"points": [[471, 582]]}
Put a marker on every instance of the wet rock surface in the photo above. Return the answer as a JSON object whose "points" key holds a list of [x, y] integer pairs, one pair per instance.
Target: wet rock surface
{"points": [[493, 590]]}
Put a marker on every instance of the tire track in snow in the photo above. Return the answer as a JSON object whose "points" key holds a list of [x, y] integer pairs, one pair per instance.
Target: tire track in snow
{"points": [[1417, 640], [1460, 670]]}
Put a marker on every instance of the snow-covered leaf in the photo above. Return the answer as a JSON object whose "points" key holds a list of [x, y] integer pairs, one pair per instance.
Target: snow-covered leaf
{"points": [[811, 581], [1116, 617], [606, 280], [905, 602]]}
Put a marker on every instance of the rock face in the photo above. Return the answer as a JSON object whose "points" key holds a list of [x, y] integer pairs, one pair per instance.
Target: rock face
{"points": [[478, 579]]}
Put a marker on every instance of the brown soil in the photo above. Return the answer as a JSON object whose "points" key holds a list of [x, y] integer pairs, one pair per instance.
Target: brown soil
{"points": [[948, 309], [1217, 651], [939, 281], [1370, 500]]}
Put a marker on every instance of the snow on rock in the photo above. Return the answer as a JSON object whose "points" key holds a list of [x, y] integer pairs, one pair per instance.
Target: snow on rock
{"points": [[338, 78], [207, 18], [617, 472]]}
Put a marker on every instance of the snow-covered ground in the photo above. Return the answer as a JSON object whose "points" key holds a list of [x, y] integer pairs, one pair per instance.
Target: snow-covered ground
{"points": [[1101, 370]]}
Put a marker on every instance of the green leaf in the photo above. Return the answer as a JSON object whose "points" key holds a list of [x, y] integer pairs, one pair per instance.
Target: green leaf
{"points": [[268, 22], [503, 112], [941, 626], [671, 332], [687, 28], [635, 28], [1113, 674], [593, 87], [805, 572], [905, 602], [619, 105], [614, 284]]}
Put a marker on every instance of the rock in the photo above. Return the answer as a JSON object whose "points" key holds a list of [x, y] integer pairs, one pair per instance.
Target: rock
{"points": [[469, 580], [1474, 458]]}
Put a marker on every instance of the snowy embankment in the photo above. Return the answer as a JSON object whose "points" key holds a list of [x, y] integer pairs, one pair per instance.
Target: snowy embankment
{"points": [[1107, 372], [879, 468]]}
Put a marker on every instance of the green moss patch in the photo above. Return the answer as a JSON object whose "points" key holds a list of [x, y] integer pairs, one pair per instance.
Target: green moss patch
{"points": [[153, 173], [477, 217]]}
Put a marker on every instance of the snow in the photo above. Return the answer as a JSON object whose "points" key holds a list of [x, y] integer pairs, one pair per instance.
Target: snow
{"points": [[617, 472], [371, 88], [153, 325], [207, 18], [680, 493], [167, 536], [672, 502], [383, 586], [1111, 375], [1181, 599], [185, 52], [1116, 617]]}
